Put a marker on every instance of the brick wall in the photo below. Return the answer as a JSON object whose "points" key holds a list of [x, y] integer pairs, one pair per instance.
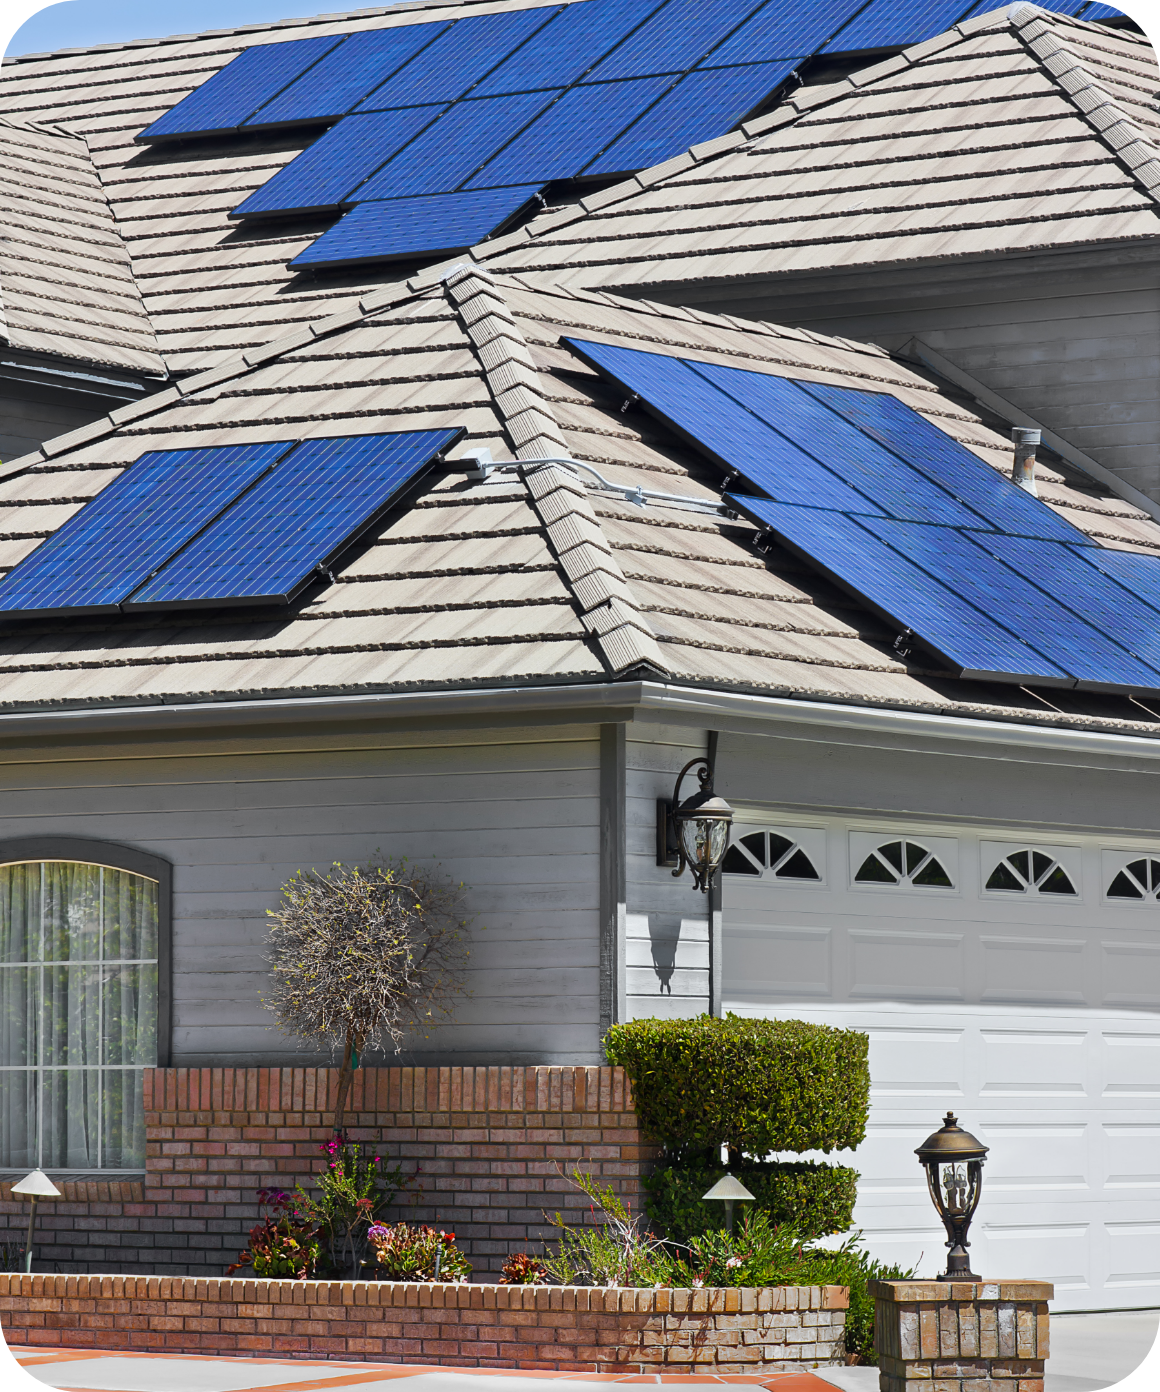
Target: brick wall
{"points": [[481, 1145], [552, 1327]]}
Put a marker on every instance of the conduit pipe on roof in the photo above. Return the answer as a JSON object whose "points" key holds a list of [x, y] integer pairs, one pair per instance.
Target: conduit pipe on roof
{"points": [[486, 466]]}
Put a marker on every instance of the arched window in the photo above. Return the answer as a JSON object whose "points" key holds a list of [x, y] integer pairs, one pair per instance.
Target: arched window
{"points": [[903, 863], [83, 1001], [1030, 871], [1139, 879], [763, 851]]}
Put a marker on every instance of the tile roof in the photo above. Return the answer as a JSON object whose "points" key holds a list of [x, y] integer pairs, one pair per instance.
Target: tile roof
{"points": [[1016, 130], [531, 576], [66, 284]]}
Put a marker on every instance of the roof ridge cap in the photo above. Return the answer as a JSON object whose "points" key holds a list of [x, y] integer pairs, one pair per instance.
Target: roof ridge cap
{"points": [[615, 624], [1120, 132]]}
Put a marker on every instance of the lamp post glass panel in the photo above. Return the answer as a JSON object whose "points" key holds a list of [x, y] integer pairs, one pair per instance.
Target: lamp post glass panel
{"points": [[953, 1160], [702, 825]]}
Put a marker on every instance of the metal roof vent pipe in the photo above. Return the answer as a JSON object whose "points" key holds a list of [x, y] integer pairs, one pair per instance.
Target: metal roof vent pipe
{"points": [[1023, 470]]}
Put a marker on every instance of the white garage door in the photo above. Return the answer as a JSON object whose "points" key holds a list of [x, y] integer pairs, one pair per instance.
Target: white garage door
{"points": [[1010, 979]]}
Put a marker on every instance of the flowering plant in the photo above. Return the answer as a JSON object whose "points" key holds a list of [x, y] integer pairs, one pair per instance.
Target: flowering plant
{"points": [[418, 1253], [353, 1191], [522, 1269], [284, 1243]]}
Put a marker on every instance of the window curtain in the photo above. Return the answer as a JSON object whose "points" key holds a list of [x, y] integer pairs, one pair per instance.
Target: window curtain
{"points": [[78, 1014]]}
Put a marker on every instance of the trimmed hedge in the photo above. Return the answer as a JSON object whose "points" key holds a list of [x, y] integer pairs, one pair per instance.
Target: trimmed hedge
{"points": [[813, 1199], [757, 1086]]}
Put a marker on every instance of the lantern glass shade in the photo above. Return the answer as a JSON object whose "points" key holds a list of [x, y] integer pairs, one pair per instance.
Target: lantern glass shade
{"points": [[703, 840]]}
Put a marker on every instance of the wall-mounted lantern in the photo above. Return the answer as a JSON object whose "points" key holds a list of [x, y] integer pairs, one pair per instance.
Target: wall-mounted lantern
{"points": [[953, 1160], [731, 1191], [694, 833], [36, 1185]]}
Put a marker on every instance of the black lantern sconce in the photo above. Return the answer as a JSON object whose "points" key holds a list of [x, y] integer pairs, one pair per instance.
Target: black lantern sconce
{"points": [[953, 1160], [694, 833]]}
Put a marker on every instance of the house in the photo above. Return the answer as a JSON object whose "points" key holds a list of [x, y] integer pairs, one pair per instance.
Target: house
{"points": [[585, 573]]}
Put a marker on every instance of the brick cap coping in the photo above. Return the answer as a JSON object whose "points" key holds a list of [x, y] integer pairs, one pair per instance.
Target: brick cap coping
{"points": [[428, 1295], [910, 1292]]}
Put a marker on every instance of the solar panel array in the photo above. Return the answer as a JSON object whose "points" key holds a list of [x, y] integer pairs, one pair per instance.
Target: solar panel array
{"points": [[506, 103], [229, 525], [927, 535]]}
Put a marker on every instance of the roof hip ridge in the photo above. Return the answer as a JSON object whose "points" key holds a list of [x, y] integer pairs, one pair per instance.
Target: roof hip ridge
{"points": [[608, 609], [1119, 130]]}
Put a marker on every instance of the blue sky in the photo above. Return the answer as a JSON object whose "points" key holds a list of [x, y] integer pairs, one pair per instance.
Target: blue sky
{"points": [[80, 23]]}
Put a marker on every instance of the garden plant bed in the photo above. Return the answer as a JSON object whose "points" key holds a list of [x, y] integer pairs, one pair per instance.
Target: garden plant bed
{"points": [[557, 1328]]}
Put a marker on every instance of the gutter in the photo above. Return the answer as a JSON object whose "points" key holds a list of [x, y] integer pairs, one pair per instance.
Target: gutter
{"points": [[604, 703]]}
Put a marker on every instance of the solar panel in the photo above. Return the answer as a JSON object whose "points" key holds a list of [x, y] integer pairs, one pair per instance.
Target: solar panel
{"points": [[337, 163], [1096, 14], [912, 437], [711, 98], [887, 23], [296, 521], [116, 541], [345, 75], [563, 50], [451, 149], [675, 38], [967, 564], [457, 59], [570, 133], [1135, 570], [441, 222], [780, 31], [961, 633], [224, 100], [721, 427]]}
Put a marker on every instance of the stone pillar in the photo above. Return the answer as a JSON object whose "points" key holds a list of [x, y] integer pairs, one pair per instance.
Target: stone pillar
{"points": [[961, 1336]]}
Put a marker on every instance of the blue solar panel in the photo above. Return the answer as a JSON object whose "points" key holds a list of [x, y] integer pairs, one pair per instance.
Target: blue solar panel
{"points": [[442, 222], [467, 51], [913, 438], [337, 163], [346, 75], [966, 565], [224, 101], [781, 31], [887, 23], [1096, 14], [730, 434], [562, 51], [452, 149], [1135, 570], [571, 132], [114, 543], [966, 636], [709, 99], [675, 38], [297, 519]]}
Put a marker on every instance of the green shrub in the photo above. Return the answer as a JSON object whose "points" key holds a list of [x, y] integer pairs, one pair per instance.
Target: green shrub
{"points": [[756, 1085], [814, 1199]]}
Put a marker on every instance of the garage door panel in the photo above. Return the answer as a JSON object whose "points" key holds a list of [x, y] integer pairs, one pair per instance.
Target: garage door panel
{"points": [[1033, 1063], [906, 965], [1131, 973], [1132, 1155], [1131, 1063], [1033, 969], [775, 960]]}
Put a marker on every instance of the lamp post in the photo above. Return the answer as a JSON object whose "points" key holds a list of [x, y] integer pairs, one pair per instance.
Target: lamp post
{"points": [[696, 831], [36, 1185], [953, 1160], [731, 1191]]}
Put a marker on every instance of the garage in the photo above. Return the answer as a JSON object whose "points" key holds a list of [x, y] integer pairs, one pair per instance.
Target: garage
{"points": [[1011, 979]]}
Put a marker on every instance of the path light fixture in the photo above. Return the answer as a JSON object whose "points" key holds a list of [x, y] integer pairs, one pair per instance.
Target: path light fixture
{"points": [[36, 1185], [731, 1191], [953, 1160], [694, 833]]}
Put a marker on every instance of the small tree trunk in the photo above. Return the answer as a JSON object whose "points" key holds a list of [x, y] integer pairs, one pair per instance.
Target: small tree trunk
{"points": [[345, 1078]]}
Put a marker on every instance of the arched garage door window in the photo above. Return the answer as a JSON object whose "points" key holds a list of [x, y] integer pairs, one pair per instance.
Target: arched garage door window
{"points": [[81, 932]]}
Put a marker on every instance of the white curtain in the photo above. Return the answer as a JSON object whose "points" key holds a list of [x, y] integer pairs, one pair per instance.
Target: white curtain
{"points": [[78, 1014]]}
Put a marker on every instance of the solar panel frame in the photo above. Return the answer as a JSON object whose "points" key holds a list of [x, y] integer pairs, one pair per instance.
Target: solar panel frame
{"points": [[901, 593], [441, 222], [161, 502], [333, 85], [296, 522], [226, 99]]}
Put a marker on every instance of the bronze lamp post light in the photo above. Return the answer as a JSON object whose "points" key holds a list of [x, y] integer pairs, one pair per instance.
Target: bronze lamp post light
{"points": [[953, 1160], [694, 832]]}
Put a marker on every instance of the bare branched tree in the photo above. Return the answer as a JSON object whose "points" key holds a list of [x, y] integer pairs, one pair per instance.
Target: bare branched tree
{"points": [[361, 954]]}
